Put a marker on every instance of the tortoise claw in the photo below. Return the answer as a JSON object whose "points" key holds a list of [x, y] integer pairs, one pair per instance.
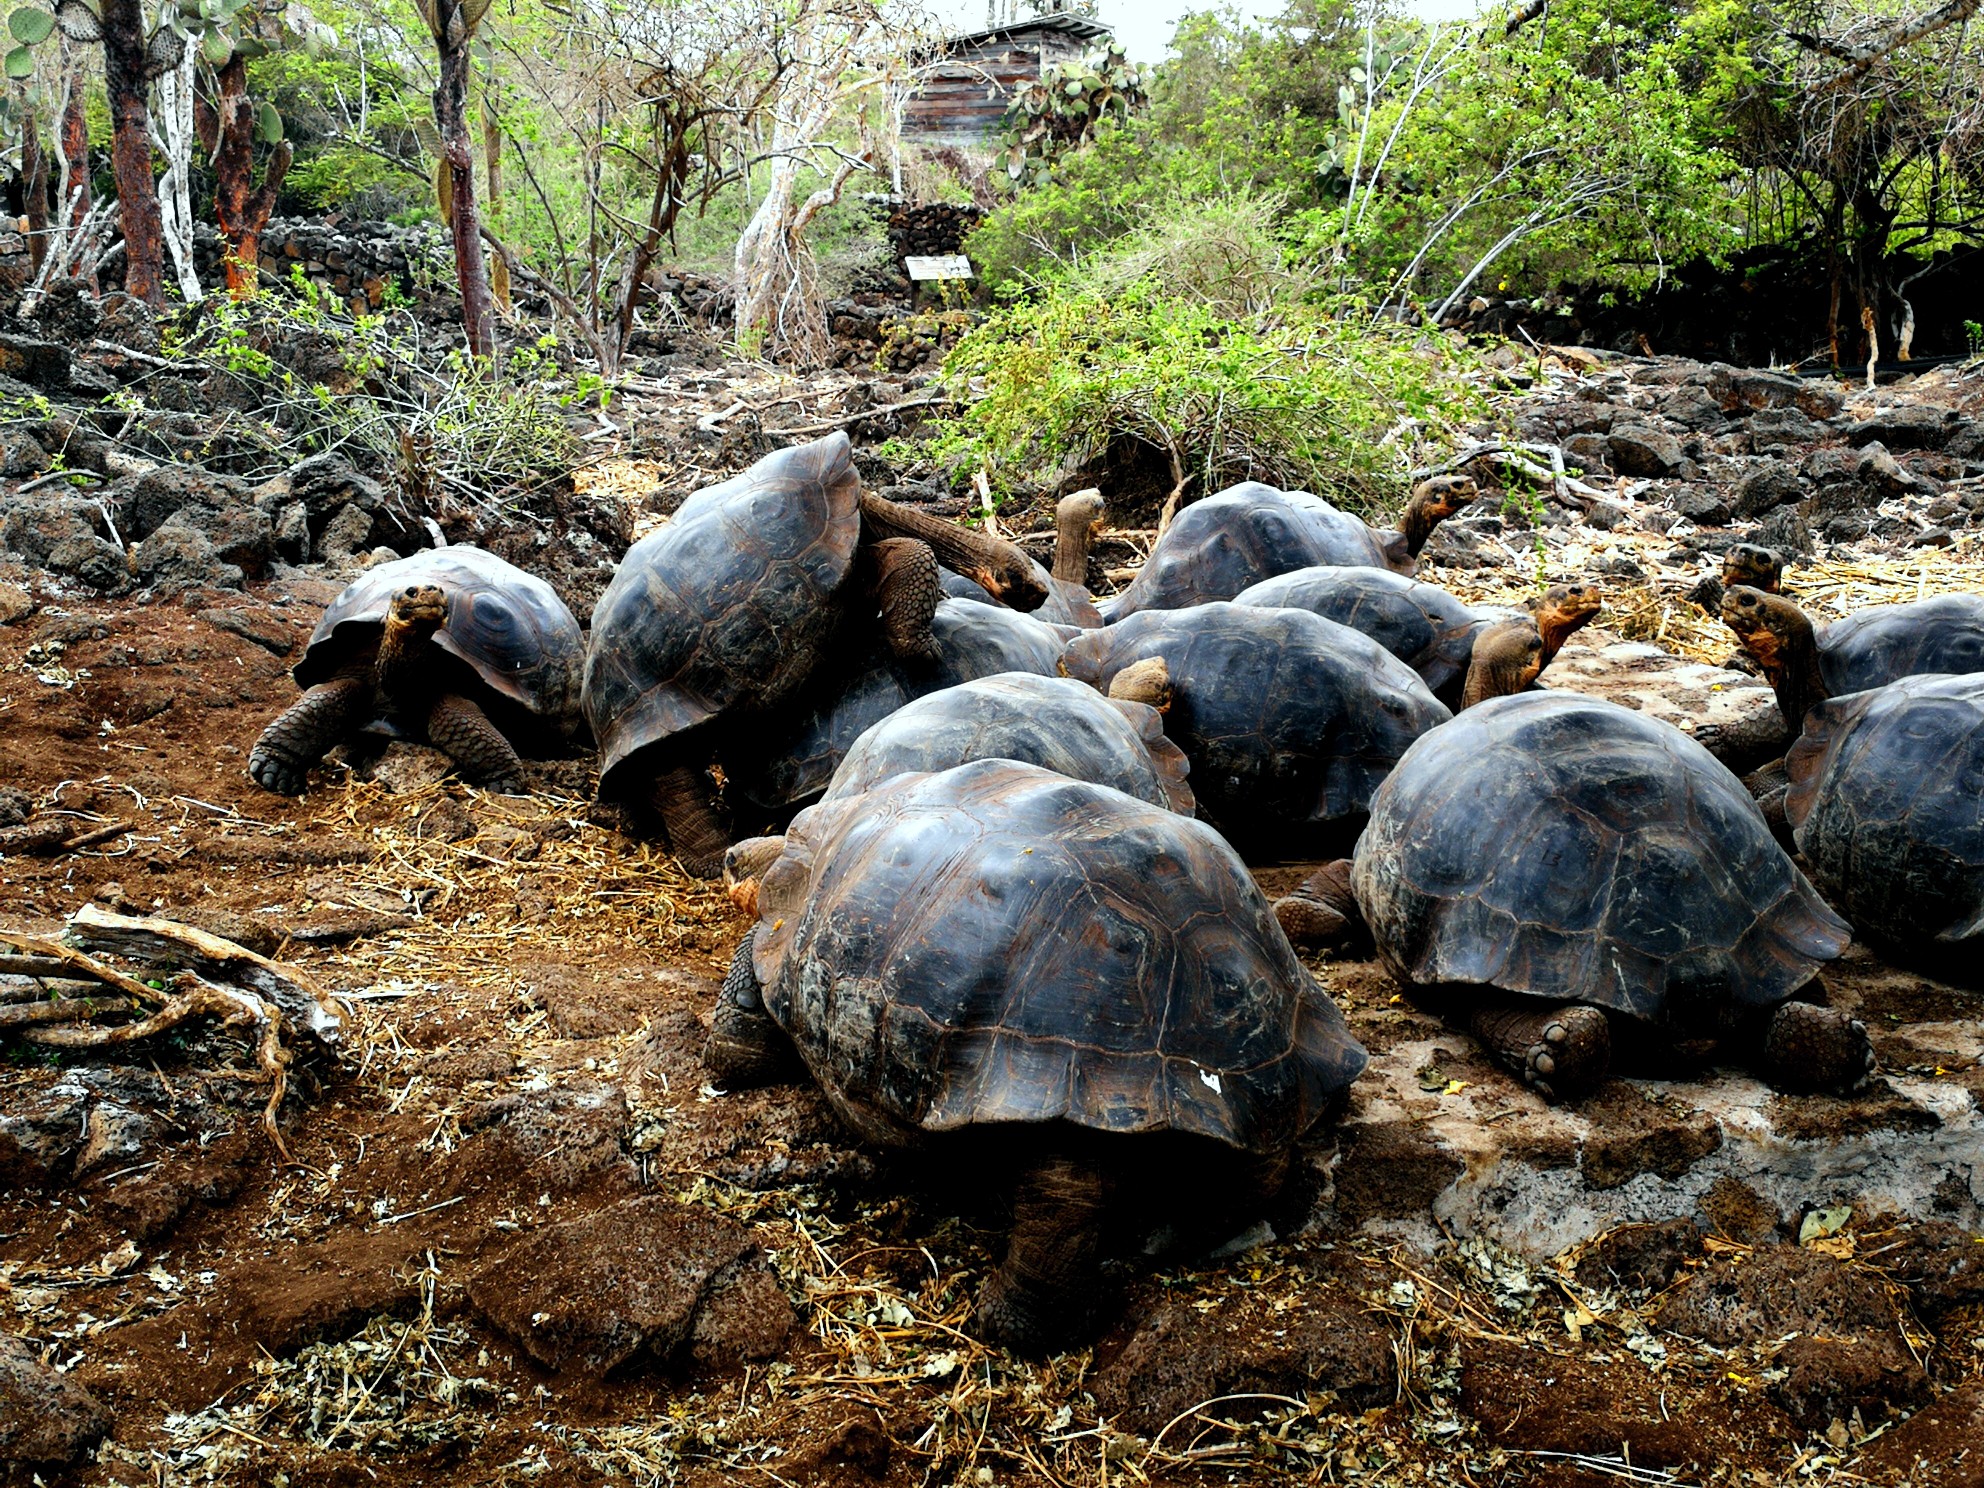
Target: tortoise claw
{"points": [[276, 775], [1557, 1052], [1812, 1047]]}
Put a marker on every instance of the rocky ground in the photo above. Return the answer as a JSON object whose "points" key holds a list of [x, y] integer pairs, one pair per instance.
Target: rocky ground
{"points": [[516, 1236]]}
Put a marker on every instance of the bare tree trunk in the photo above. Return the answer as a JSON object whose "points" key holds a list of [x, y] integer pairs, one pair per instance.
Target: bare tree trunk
{"points": [[131, 150], [241, 207], [34, 186], [174, 121], [452, 30]]}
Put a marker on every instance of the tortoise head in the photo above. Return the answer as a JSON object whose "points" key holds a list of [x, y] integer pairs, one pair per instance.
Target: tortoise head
{"points": [[1769, 626], [1010, 576], [1147, 682], [1432, 501], [420, 606], [744, 864], [1080, 514], [1562, 609], [1507, 657], [1753, 568]]}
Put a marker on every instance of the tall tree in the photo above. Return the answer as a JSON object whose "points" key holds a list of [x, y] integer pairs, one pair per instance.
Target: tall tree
{"points": [[453, 24], [126, 72]]}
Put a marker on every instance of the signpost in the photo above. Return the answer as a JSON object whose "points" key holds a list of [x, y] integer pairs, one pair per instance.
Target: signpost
{"points": [[931, 269]]}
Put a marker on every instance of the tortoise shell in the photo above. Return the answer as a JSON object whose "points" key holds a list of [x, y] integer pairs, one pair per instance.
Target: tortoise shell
{"points": [[1054, 722], [728, 608], [1066, 604], [1425, 627], [1220, 545], [1875, 646], [794, 759], [999, 943], [1566, 848], [1887, 805], [1289, 720], [510, 627]]}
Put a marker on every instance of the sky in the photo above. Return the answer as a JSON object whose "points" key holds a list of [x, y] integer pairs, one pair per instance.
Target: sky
{"points": [[1145, 26]]}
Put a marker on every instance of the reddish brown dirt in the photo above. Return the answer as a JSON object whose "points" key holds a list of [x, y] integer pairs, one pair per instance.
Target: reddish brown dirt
{"points": [[525, 1067]]}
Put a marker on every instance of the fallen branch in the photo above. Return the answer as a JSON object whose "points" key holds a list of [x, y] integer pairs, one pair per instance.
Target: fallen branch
{"points": [[48, 839], [167, 942], [86, 968], [827, 426]]}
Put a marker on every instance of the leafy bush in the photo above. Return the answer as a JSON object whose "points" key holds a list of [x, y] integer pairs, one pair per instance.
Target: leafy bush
{"points": [[1298, 398], [1225, 254]]}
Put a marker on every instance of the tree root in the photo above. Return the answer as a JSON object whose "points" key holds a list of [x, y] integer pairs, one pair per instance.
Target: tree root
{"points": [[70, 1022]]}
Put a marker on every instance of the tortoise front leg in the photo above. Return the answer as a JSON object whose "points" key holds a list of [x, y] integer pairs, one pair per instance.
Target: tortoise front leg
{"points": [[463, 732], [281, 759], [1044, 1292], [681, 797], [907, 588], [746, 1047], [1322, 911], [1559, 1052], [1806, 1046]]}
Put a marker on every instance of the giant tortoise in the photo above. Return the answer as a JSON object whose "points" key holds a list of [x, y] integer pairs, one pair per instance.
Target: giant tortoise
{"points": [[729, 610], [1548, 865], [1040, 976], [452, 646], [1250, 532], [1886, 802]]}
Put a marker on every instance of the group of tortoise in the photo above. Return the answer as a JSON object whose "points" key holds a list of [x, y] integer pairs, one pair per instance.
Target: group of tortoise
{"points": [[1000, 895]]}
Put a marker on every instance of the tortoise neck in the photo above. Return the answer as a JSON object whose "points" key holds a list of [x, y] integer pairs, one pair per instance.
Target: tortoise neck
{"points": [[1491, 677], [1797, 679], [405, 658], [956, 547], [1555, 628], [1074, 532], [1417, 521]]}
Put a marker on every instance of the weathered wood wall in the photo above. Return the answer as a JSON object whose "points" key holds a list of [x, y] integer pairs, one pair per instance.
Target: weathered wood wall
{"points": [[962, 98]]}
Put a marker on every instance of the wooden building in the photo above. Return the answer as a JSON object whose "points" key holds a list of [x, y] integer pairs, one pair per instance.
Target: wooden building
{"points": [[962, 93]]}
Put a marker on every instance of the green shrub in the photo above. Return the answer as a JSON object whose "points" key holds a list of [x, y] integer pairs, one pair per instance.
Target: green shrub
{"points": [[1225, 254], [1298, 398]]}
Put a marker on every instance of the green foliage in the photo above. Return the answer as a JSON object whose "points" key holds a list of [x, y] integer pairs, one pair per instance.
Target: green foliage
{"points": [[1062, 109], [481, 429], [1292, 394]]}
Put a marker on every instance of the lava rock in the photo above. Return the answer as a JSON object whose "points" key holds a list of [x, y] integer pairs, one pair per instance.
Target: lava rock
{"points": [[1785, 529], [1705, 506], [1782, 426], [46, 1419], [20, 454], [292, 533], [178, 557], [1638, 449], [147, 502], [1692, 408], [1885, 474], [68, 312], [650, 1277], [32, 526], [325, 483], [129, 323], [346, 534], [1591, 453], [1908, 426], [1773, 484], [92, 561], [1738, 387], [39, 364]]}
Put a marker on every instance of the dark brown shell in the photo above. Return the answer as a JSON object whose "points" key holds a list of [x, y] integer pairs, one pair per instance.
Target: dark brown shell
{"points": [[1878, 645], [1290, 721], [1245, 534], [1054, 722], [1887, 804], [998, 943], [509, 626], [1066, 604], [1566, 848], [728, 608], [789, 760], [1425, 627]]}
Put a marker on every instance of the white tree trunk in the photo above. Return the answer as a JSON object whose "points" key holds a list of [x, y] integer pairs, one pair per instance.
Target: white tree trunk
{"points": [[172, 126]]}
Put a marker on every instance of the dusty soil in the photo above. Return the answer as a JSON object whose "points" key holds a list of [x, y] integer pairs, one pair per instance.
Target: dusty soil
{"points": [[518, 1236]]}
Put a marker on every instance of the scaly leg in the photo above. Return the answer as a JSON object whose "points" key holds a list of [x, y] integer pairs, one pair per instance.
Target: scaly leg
{"points": [[1044, 1292], [1322, 911], [746, 1047], [682, 798], [907, 588], [281, 759], [1810, 1047], [1559, 1052], [463, 732]]}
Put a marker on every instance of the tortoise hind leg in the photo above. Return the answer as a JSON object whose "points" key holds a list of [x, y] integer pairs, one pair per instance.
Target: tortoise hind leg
{"points": [[682, 799], [1806, 1046], [1322, 911], [1559, 1052], [463, 732], [1044, 1292], [281, 759], [907, 587], [746, 1047]]}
